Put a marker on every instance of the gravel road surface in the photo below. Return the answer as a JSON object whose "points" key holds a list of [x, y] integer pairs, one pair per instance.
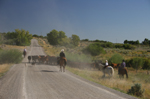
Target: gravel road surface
{"points": [[46, 82]]}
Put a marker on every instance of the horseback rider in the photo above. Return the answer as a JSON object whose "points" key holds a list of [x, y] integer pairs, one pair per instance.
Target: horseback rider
{"points": [[62, 55], [106, 64], [24, 52], [123, 65]]}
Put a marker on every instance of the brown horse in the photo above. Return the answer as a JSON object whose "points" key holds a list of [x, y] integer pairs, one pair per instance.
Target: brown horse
{"points": [[62, 64], [123, 71]]}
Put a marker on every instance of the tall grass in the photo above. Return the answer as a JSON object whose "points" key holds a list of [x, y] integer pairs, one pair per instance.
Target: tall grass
{"points": [[79, 57], [10, 56]]}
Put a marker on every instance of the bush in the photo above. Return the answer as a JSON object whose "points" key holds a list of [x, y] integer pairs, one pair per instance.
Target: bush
{"points": [[10, 56], [137, 63], [116, 58], [129, 46], [136, 90], [107, 45], [118, 45], [146, 64], [94, 49]]}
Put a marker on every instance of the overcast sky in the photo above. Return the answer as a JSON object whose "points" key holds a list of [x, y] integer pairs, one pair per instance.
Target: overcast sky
{"points": [[108, 20]]}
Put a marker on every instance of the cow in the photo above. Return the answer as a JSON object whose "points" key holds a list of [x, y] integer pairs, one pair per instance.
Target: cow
{"points": [[34, 58], [42, 58], [52, 60], [29, 58], [114, 65]]}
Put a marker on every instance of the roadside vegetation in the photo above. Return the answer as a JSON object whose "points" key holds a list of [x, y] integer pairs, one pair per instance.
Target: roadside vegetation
{"points": [[11, 47], [137, 59], [135, 54]]}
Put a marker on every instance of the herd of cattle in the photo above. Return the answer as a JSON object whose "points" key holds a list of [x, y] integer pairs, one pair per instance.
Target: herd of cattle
{"points": [[45, 59], [53, 60]]}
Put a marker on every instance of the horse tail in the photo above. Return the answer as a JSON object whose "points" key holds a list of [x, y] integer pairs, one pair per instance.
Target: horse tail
{"points": [[112, 71], [126, 73]]}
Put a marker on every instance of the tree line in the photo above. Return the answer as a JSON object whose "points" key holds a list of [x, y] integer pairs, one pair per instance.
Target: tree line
{"points": [[18, 37], [54, 37]]}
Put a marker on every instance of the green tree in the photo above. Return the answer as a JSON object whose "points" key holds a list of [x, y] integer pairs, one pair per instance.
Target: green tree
{"points": [[145, 42], [75, 40], [52, 37], [56, 38], [22, 37], [62, 38]]}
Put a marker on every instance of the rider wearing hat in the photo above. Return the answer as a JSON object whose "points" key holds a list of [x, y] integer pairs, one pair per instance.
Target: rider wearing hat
{"points": [[62, 55], [106, 64], [123, 65]]}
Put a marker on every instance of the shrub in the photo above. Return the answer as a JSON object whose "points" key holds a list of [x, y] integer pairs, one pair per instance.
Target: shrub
{"points": [[146, 64], [118, 45], [107, 45], [136, 90], [128, 46], [137, 63], [10, 56], [116, 58], [94, 49]]}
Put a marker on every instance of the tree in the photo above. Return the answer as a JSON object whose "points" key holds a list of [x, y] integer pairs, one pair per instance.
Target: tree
{"points": [[145, 42], [61, 37], [56, 38], [19, 37], [52, 37], [126, 42], [22, 37], [75, 40]]}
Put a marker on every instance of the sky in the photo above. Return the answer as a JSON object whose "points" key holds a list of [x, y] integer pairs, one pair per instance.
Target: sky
{"points": [[107, 20]]}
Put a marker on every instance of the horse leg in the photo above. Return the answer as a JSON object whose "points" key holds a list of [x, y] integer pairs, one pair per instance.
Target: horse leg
{"points": [[60, 69], [64, 68], [126, 74]]}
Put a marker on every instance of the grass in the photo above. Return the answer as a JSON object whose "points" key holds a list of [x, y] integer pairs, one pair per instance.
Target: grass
{"points": [[122, 85], [11, 50], [4, 68]]}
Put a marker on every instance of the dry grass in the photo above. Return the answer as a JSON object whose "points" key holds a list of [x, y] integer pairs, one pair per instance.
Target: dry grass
{"points": [[4, 68], [116, 83]]}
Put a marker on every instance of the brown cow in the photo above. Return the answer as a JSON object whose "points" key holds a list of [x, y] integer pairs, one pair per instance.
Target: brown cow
{"points": [[34, 58], [52, 60], [114, 65], [42, 58]]}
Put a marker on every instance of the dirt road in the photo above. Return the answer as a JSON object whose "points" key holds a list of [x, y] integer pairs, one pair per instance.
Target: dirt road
{"points": [[46, 82]]}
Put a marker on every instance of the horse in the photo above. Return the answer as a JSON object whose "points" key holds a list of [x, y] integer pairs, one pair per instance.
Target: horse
{"points": [[62, 63], [108, 70], [123, 71], [24, 53]]}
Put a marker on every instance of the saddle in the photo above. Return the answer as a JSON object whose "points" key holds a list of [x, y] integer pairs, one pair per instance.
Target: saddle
{"points": [[64, 59], [105, 67]]}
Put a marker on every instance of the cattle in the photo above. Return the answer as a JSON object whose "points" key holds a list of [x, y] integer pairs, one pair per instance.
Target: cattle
{"points": [[114, 65], [34, 58], [52, 60], [42, 58], [29, 58]]}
